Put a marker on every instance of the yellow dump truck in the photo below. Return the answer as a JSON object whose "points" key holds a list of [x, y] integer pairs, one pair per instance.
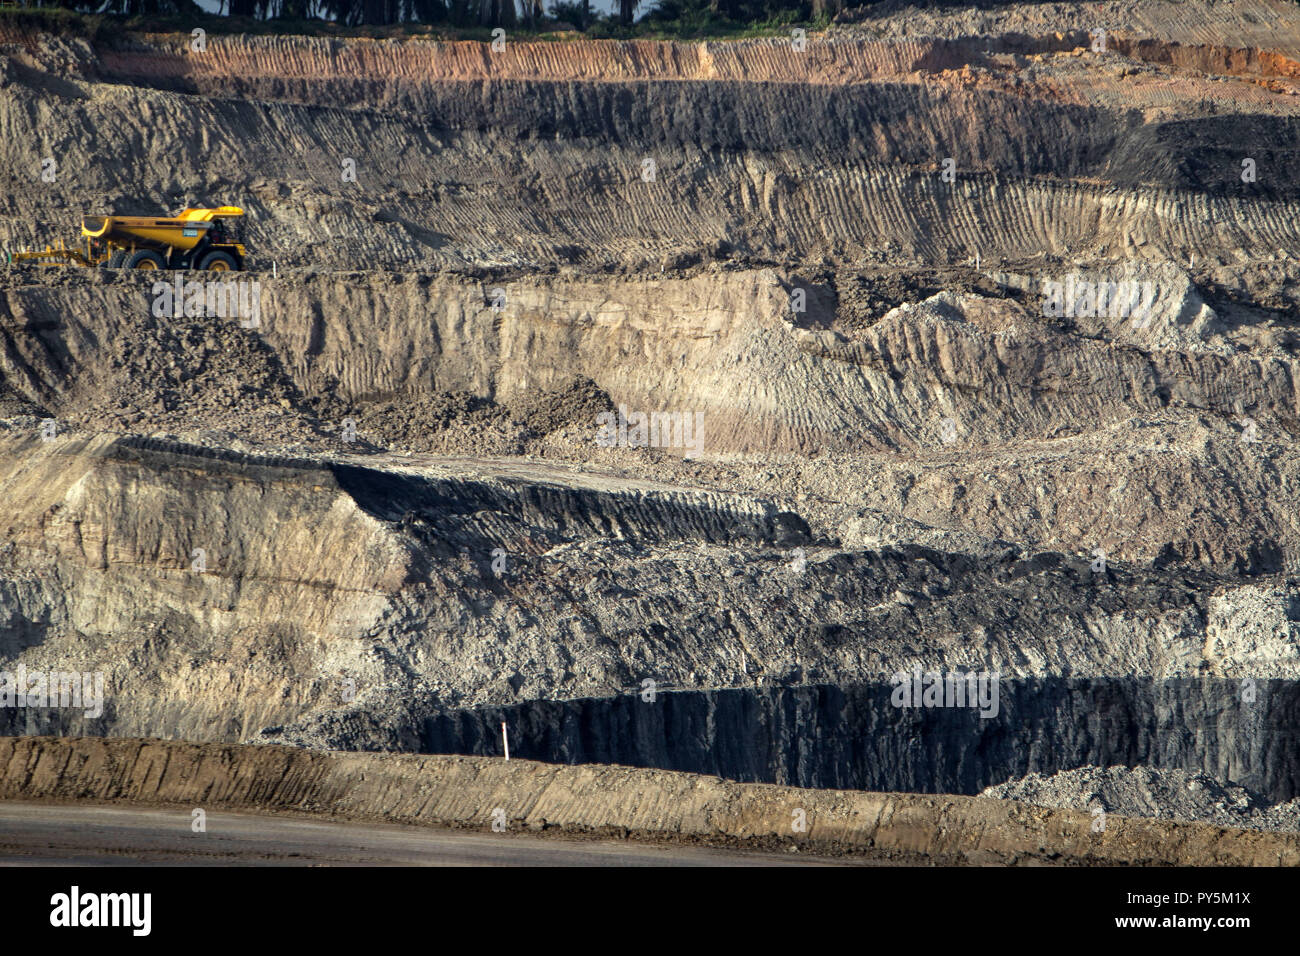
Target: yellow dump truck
{"points": [[192, 239]]}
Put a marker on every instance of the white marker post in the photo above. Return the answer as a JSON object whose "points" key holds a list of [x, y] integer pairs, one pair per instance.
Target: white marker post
{"points": [[505, 738]]}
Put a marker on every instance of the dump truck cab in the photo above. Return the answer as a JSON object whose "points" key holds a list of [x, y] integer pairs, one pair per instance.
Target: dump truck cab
{"points": [[222, 234], [192, 239]]}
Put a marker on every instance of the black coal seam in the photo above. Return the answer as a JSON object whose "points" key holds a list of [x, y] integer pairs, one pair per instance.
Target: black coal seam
{"points": [[854, 737], [570, 512]]}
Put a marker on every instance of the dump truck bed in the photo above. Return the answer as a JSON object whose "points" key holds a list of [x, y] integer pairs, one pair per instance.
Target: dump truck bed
{"points": [[194, 238], [183, 231]]}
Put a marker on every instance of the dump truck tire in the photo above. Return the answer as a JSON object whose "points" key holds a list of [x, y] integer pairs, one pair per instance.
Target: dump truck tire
{"points": [[218, 261], [116, 260], [145, 259]]}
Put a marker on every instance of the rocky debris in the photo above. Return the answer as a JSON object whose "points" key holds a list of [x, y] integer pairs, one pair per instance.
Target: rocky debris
{"points": [[573, 405], [1190, 797], [462, 423], [443, 423]]}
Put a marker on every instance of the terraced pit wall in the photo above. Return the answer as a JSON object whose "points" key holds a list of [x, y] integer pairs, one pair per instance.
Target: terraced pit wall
{"points": [[535, 157], [923, 467]]}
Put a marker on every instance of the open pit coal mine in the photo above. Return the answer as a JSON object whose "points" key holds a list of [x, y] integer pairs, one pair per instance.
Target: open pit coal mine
{"points": [[913, 412]]}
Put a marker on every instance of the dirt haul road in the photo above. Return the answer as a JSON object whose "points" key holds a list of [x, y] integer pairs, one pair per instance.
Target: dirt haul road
{"points": [[105, 836], [668, 401]]}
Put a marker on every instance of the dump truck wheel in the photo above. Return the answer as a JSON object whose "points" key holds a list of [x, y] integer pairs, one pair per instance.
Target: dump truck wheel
{"points": [[116, 259], [219, 262], [145, 259]]}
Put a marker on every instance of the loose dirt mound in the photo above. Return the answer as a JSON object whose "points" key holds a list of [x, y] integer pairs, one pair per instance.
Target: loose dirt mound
{"points": [[1145, 792], [465, 424], [574, 405]]}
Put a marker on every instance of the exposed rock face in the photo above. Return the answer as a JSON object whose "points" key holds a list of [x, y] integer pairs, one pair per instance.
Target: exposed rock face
{"points": [[1053, 153], [853, 737], [908, 453], [355, 600], [958, 414]]}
